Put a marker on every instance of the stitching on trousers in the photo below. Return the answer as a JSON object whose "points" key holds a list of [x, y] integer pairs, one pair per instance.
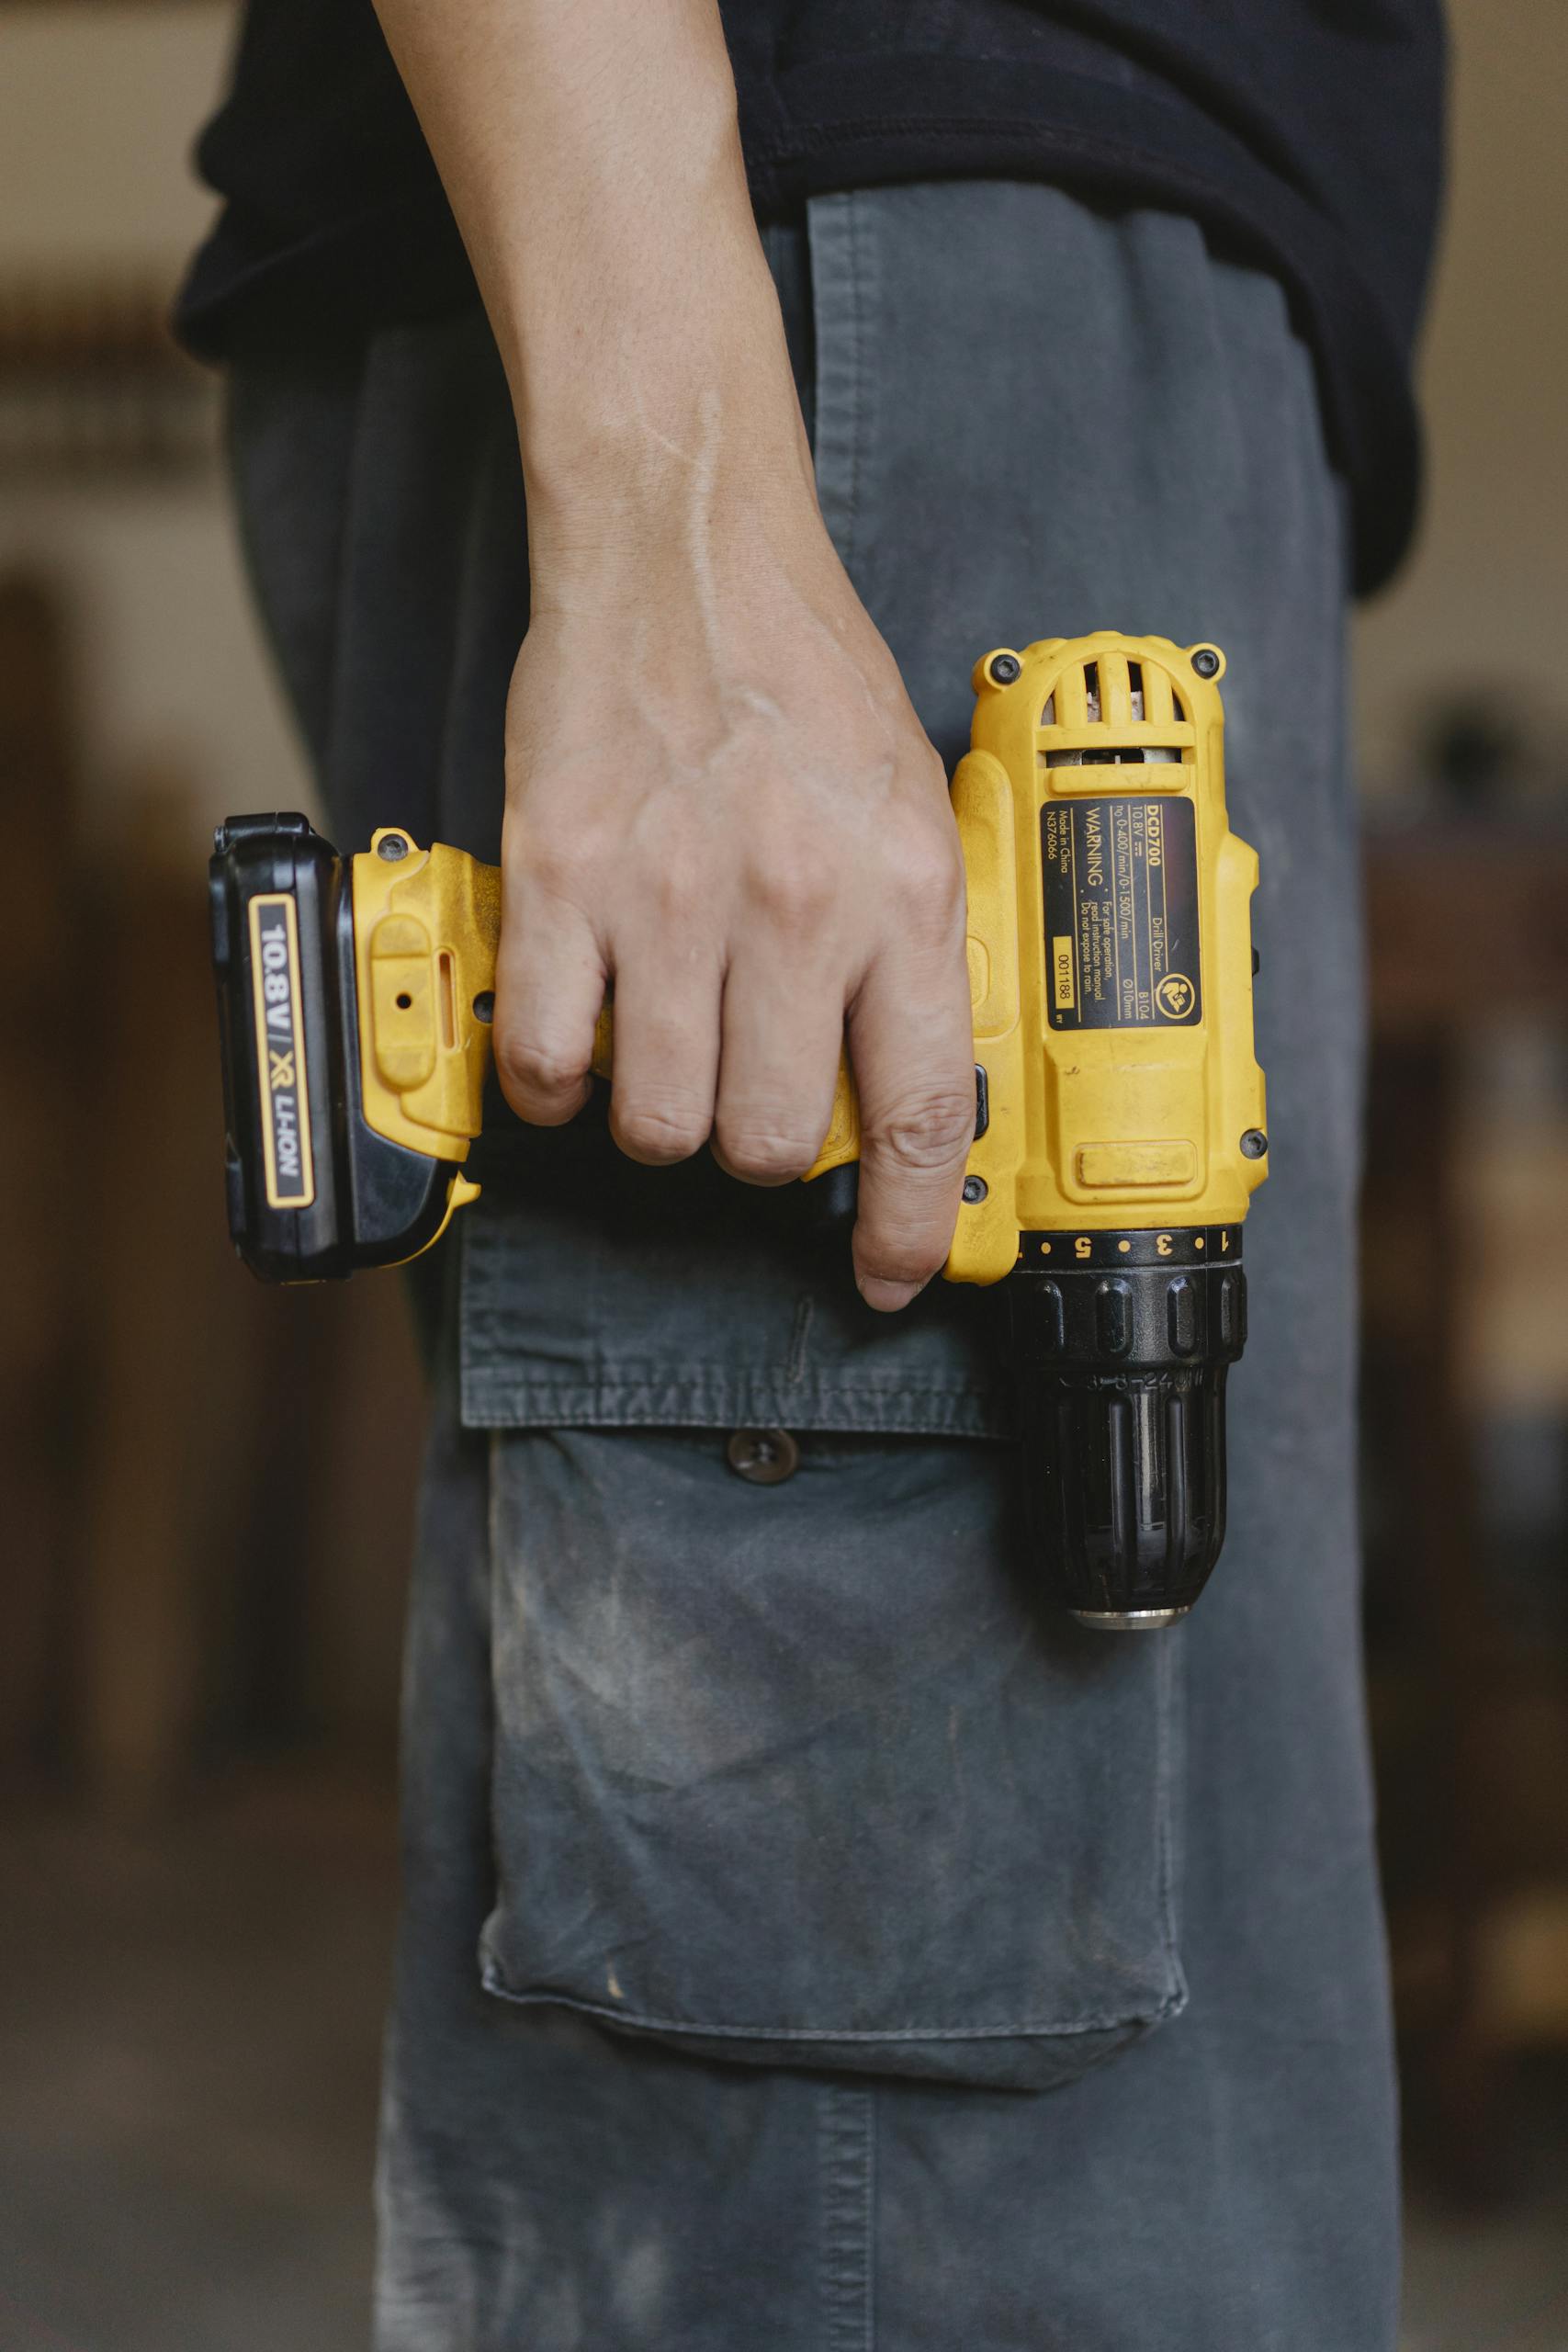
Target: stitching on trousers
{"points": [[795, 1369], [846, 2144], [857, 397], [1170, 1733], [839, 313], [638, 2020]]}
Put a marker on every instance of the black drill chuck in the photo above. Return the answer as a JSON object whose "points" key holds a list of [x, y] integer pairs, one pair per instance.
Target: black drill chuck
{"points": [[1120, 1345]]}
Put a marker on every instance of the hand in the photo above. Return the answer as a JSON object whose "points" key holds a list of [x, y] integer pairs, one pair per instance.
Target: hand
{"points": [[719, 799]]}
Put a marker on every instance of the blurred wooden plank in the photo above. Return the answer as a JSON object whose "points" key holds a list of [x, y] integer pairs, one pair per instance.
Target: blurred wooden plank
{"points": [[176, 1364], [1465, 919], [252, 1454], [41, 1332], [91, 382], [1467, 932]]}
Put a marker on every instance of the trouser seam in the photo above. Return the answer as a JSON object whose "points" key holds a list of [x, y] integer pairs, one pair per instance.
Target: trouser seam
{"points": [[840, 322], [847, 2167]]}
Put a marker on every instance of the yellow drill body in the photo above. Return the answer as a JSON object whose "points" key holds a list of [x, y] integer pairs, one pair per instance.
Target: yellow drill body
{"points": [[1109, 964]]}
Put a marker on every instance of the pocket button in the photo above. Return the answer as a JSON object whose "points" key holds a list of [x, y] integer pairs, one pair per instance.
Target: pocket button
{"points": [[765, 1456]]}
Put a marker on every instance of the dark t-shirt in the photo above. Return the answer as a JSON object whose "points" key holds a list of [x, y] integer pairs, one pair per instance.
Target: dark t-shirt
{"points": [[1304, 135]]}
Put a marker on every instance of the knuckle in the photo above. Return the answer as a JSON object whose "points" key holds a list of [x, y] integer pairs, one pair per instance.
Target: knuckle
{"points": [[552, 863], [533, 1066], [659, 1131], [927, 1131], [676, 895], [794, 889], [763, 1150], [549, 865], [928, 877]]}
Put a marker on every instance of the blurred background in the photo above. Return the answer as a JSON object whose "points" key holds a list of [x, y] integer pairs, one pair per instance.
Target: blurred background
{"points": [[198, 1701]]}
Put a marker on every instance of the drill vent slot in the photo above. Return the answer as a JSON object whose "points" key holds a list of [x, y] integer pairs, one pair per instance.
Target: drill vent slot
{"points": [[1125, 755], [1146, 701]]}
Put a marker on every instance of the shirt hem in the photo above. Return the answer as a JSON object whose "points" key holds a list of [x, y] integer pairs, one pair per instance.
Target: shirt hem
{"points": [[920, 119]]}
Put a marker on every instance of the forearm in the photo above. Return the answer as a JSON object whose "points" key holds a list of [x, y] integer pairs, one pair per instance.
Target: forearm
{"points": [[591, 156], [734, 819]]}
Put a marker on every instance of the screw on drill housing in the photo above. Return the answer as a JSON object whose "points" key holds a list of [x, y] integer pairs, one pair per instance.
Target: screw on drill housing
{"points": [[391, 846], [1206, 662], [975, 1189], [1254, 1143], [484, 1005], [1004, 668]]}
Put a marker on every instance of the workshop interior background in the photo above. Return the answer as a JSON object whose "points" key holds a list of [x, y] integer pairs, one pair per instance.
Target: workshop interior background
{"points": [[207, 1486]]}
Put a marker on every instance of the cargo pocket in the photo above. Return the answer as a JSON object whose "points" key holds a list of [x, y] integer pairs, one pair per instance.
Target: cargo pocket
{"points": [[803, 1772]]}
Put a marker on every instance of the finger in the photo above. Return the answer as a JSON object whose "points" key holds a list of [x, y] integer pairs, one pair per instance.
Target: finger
{"points": [[778, 1064], [549, 986], [662, 1097], [911, 1044]]}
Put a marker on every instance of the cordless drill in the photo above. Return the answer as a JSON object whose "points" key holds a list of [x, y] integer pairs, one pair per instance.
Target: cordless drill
{"points": [[1119, 1126]]}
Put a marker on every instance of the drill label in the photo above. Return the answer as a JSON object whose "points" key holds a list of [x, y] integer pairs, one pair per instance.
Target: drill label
{"points": [[280, 1053], [1064, 974], [1121, 913]]}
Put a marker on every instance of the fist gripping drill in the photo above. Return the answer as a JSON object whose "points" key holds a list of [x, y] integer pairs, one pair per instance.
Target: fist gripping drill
{"points": [[1119, 1130]]}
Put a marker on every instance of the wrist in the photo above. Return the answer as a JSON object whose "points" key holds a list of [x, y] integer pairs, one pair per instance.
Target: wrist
{"points": [[656, 396], [693, 467], [651, 356]]}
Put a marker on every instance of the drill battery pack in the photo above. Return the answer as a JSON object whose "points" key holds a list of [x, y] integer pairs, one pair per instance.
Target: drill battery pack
{"points": [[1120, 1129], [314, 1189]]}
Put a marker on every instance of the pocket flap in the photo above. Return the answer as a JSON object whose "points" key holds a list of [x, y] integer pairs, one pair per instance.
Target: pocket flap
{"points": [[600, 1294]]}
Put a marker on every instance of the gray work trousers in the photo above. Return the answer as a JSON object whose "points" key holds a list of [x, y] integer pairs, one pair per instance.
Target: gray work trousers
{"points": [[811, 1940]]}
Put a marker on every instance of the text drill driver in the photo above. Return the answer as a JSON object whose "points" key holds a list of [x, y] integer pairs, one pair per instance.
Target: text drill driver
{"points": [[1119, 1130]]}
